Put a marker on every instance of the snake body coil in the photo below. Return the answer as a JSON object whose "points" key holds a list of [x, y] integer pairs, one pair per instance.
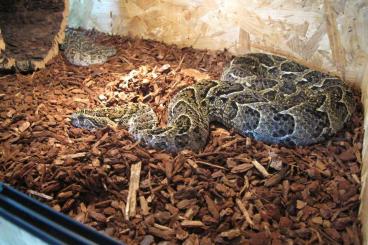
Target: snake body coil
{"points": [[266, 97]]}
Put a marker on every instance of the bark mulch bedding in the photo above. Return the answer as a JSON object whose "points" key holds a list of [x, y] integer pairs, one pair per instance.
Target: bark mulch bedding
{"points": [[235, 191]]}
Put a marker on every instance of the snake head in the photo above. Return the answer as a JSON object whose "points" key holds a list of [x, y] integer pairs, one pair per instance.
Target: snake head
{"points": [[90, 122]]}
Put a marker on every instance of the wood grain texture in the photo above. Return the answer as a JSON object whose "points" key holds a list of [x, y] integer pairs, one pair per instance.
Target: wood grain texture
{"points": [[324, 34], [364, 173]]}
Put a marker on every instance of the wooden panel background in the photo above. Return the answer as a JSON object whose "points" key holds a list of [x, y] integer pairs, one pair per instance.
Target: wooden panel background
{"points": [[364, 177], [325, 34]]}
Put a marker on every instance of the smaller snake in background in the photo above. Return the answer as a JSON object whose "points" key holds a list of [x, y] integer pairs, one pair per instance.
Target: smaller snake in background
{"points": [[81, 50], [266, 97]]}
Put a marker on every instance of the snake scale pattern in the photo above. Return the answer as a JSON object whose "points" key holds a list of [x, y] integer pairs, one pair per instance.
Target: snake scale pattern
{"points": [[81, 50], [266, 97]]}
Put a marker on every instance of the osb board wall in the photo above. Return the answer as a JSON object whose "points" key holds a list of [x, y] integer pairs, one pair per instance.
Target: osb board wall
{"points": [[364, 177], [330, 35], [325, 34]]}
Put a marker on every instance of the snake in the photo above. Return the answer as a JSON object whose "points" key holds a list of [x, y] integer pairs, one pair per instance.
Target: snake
{"points": [[267, 97], [82, 50]]}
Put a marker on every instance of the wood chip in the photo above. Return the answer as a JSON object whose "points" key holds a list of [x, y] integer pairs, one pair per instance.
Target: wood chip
{"points": [[192, 223], [231, 234], [300, 204], [24, 126], [211, 165], [241, 168], [260, 168], [195, 73], [317, 220], [236, 189], [164, 234], [74, 155], [244, 212], [36, 193], [144, 205], [130, 209], [212, 207]]}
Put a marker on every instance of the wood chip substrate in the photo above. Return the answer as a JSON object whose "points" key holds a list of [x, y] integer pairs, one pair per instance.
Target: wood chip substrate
{"points": [[235, 191]]}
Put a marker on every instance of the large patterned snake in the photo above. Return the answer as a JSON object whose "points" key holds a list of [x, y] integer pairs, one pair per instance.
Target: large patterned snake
{"points": [[266, 97]]}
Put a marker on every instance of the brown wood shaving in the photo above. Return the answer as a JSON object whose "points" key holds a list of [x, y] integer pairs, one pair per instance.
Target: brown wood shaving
{"points": [[130, 209], [260, 168], [234, 191], [244, 211]]}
